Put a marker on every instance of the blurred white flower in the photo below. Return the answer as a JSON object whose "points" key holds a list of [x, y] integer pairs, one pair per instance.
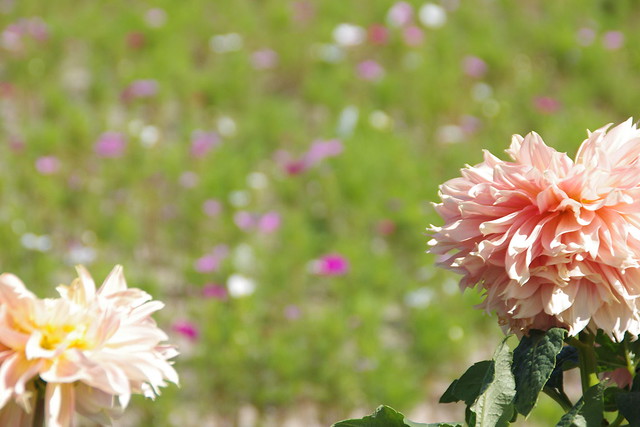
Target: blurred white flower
{"points": [[349, 35], [36, 243], [239, 198], [327, 52], [240, 286], [149, 136], [380, 120], [223, 43], [419, 298], [257, 181], [243, 257], [155, 17], [347, 121], [432, 16], [226, 126], [450, 134]]}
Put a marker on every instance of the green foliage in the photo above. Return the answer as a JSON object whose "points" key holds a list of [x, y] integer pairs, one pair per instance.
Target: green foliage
{"points": [[384, 416], [587, 412], [629, 405], [533, 362], [494, 406], [468, 386]]}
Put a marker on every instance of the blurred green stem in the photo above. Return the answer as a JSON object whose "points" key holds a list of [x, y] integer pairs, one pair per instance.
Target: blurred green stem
{"points": [[560, 398]]}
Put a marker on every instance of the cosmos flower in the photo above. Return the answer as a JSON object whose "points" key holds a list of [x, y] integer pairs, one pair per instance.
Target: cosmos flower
{"points": [[84, 352], [330, 265], [550, 240]]}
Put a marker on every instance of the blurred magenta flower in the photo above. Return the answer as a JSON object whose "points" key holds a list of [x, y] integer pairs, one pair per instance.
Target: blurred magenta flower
{"points": [[212, 207], [186, 328], [211, 261], [111, 145], [470, 124], [264, 59], [144, 88], [546, 104], [400, 14], [370, 70], [413, 35], [378, 34], [215, 291], [47, 165], [330, 265], [202, 142], [244, 220], [474, 66], [613, 40], [621, 377]]}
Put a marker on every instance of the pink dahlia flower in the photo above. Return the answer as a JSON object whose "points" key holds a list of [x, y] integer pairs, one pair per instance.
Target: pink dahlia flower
{"points": [[551, 241], [84, 352]]}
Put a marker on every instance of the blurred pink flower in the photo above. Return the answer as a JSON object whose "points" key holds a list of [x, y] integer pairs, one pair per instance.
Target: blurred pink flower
{"points": [[212, 290], [203, 142], [47, 165], [546, 104], [319, 150], [110, 145], [292, 312], [330, 265], [552, 242], [621, 377], [186, 328], [400, 14], [474, 66], [264, 59], [92, 349], [211, 261], [413, 35], [378, 34], [370, 70], [269, 222], [303, 11], [144, 88], [470, 124], [613, 40], [136, 40], [212, 207], [586, 36], [386, 227], [266, 223]]}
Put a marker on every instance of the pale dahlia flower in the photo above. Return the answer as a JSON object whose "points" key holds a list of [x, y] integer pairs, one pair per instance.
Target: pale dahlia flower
{"points": [[551, 241], [84, 352]]}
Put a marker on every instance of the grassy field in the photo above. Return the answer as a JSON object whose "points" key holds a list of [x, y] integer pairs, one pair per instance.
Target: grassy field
{"points": [[266, 169]]}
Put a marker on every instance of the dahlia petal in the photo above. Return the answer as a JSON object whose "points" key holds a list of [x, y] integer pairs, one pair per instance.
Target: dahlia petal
{"points": [[59, 405]]}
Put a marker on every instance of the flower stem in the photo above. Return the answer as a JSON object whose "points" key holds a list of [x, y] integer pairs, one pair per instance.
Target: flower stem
{"points": [[587, 359], [559, 397]]}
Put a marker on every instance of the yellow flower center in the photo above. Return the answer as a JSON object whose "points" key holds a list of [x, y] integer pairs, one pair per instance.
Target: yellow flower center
{"points": [[71, 335]]}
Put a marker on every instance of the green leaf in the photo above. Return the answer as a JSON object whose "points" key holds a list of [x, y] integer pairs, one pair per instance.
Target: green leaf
{"points": [[629, 406], [609, 398], [494, 407], [386, 416], [587, 412], [467, 387], [533, 362], [610, 354]]}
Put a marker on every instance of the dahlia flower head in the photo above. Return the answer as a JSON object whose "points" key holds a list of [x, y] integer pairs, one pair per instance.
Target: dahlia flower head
{"points": [[551, 241], [84, 352]]}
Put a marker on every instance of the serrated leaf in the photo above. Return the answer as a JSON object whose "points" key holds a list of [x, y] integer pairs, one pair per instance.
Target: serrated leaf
{"points": [[494, 406], [629, 406], [587, 412], [467, 387], [533, 362], [386, 416]]}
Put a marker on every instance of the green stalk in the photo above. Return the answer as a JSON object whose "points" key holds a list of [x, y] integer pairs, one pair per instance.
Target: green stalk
{"points": [[587, 359], [559, 397]]}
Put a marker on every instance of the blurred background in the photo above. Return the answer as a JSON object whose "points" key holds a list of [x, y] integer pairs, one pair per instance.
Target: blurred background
{"points": [[266, 169]]}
